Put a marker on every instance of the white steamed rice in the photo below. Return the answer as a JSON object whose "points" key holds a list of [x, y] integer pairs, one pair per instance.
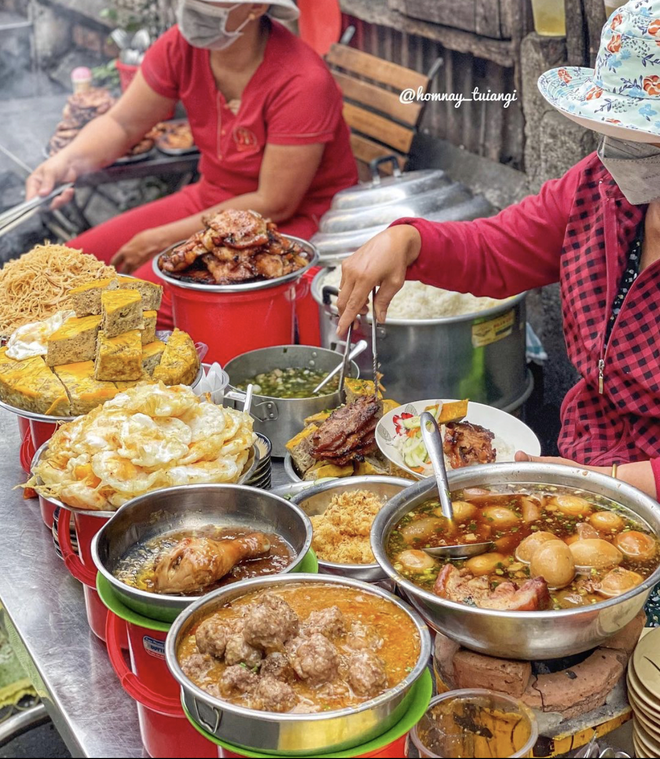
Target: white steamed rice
{"points": [[419, 301]]}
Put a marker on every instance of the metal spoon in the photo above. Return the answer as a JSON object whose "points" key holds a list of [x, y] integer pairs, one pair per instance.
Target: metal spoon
{"points": [[360, 347], [433, 442]]}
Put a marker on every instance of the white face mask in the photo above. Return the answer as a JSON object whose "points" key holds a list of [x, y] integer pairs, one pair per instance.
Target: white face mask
{"points": [[205, 25], [634, 166]]}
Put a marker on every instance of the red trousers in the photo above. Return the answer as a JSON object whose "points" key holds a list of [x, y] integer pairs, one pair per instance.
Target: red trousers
{"points": [[106, 239]]}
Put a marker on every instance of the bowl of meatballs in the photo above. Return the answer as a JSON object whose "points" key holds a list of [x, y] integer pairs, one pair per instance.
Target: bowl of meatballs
{"points": [[301, 664]]}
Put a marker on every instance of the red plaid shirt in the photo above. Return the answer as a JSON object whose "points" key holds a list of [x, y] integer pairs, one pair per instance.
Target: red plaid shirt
{"points": [[578, 230]]}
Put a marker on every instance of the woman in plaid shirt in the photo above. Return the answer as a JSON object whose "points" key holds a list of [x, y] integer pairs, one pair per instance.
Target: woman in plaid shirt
{"points": [[596, 231]]}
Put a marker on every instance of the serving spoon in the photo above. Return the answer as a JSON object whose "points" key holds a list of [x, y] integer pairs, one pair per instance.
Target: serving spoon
{"points": [[433, 442]]}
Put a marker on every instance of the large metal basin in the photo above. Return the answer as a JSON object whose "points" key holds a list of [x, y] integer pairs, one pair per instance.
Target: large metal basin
{"points": [[428, 358], [293, 734], [315, 501], [522, 635], [281, 419], [190, 507]]}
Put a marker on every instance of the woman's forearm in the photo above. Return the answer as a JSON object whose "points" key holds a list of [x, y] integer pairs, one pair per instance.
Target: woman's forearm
{"points": [[251, 201], [98, 144], [640, 475]]}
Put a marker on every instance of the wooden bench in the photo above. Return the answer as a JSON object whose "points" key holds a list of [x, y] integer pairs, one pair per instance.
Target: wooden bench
{"points": [[381, 125]]}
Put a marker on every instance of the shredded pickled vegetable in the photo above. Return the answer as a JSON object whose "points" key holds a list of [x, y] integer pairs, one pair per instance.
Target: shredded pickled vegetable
{"points": [[37, 285]]}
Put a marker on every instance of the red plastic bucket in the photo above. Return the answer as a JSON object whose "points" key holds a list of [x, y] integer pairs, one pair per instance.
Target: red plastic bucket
{"points": [[42, 432], [81, 564], [126, 73], [23, 425], [26, 453], [307, 310], [234, 323], [164, 728]]}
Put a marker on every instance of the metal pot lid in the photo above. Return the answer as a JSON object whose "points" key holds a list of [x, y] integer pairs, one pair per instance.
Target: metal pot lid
{"points": [[334, 248], [308, 248], [385, 213], [390, 189]]}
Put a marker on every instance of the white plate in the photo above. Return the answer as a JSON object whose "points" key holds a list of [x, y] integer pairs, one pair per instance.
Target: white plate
{"points": [[507, 428]]}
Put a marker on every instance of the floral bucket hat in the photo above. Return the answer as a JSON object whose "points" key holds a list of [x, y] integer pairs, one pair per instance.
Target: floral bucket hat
{"points": [[620, 97]]}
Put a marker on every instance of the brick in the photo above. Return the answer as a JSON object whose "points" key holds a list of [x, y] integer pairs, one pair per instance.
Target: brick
{"points": [[628, 638], [445, 651], [477, 671], [586, 686]]}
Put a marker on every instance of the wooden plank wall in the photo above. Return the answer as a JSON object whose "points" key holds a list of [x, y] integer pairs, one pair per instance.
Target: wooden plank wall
{"points": [[487, 129]]}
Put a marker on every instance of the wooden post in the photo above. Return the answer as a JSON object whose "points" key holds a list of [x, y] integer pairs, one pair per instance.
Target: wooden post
{"points": [[594, 12], [576, 33]]}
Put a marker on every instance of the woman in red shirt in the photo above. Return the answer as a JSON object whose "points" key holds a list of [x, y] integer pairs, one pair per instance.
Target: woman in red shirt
{"points": [[265, 113], [596, 231]]}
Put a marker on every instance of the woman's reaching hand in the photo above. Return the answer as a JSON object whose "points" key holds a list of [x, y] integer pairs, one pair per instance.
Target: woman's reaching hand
{"points": [[382, 263], [142, 248]]}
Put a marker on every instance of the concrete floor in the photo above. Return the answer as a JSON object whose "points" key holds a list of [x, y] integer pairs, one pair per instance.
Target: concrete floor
{"points": [[43, 742]]}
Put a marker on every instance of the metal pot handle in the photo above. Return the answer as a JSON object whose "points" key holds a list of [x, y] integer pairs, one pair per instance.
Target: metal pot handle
{"points": [[210, 727], [328, 292], [375, 165], [266, 411]]}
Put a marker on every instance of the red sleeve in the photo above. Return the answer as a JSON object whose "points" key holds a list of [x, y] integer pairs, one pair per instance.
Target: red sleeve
{"points": [[655, 465], [162, 64], [516, 250], [305, 111]]}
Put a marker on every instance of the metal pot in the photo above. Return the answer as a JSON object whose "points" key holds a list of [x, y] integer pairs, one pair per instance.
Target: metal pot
{"points": [[477, 356], [334, 247], [346, 220], [292, 734], [399, 186], [315, 501], [281, 419], [523, 635], [190, 507]]}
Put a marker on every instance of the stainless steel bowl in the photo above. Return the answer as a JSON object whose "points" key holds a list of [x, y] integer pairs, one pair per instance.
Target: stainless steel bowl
{"points": [[191, 507], [293, 734], [523, 634], [281, 419], [248, 473], [315, 501]]}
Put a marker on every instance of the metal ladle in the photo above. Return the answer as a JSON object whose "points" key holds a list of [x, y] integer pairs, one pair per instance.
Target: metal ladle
{"points": [[433, 442]]}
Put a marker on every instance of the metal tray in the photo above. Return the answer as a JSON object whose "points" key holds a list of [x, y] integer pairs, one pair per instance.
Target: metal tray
{"points": [[35, 417], [123, 161], [176, 151], [308, 249]]}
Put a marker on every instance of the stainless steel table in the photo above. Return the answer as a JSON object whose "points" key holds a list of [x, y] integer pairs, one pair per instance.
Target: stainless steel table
{"points": [[42, 608]]}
